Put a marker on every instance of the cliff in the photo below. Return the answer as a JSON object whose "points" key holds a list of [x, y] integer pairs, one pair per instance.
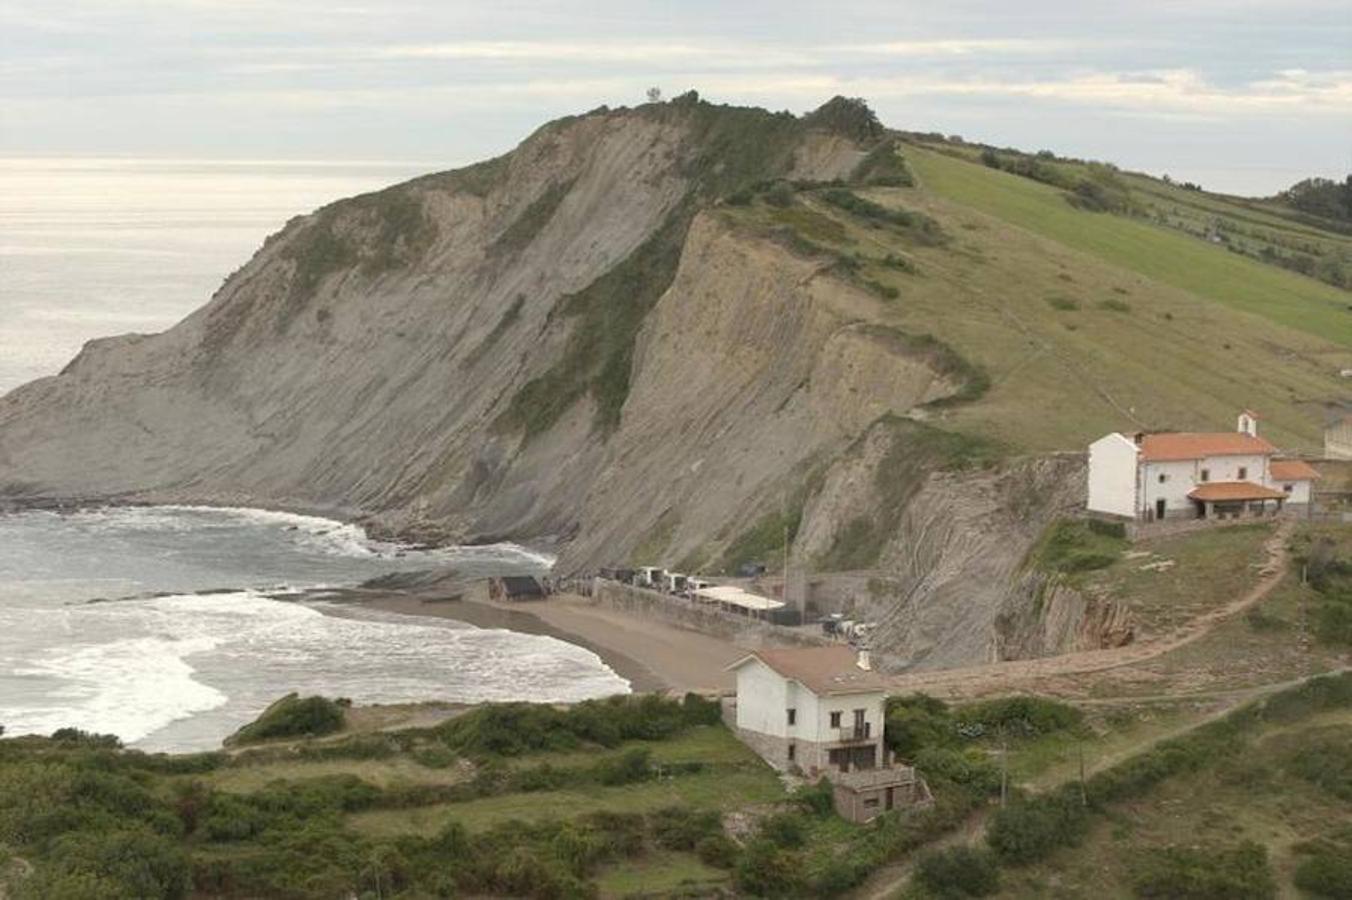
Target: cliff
{"points": [[680, 334]]}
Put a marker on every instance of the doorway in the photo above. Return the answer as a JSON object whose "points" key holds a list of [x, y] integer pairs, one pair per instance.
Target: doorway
{"points": [[1159, 508]]}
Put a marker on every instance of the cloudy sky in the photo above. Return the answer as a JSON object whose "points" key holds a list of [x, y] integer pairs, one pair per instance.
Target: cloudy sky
{"points": [[1244, 96]]}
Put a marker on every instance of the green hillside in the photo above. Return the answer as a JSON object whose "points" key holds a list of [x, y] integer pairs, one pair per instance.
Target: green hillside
{"points": [[1083, 321]]}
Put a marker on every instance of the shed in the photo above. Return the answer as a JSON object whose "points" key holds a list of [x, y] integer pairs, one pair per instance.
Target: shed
{"points": [[516, 587]]}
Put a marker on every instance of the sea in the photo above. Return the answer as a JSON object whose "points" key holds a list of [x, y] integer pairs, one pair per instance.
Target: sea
{"points": [[172, 626]]}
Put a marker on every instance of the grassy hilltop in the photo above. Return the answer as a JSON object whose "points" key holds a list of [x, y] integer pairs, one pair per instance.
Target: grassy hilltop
{"points": [[1089, 315]]}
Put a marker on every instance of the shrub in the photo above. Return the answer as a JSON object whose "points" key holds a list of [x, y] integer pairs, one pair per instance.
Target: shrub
{"points": [[1027, 831], [1024, 715], [971, 768], [786, 829], [960, 871], [918, 225], [681, 828], [1326, 874], [1325, 760], [816, 799], [292, 716], [717, 850], [764, 870], [627, 768], [1185, 873], [780, 194], [917, 721], [87, 739], [1113, 304], [1064, 304], [140, 863]]}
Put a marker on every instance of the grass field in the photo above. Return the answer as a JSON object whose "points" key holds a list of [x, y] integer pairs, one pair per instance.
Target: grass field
{"points": [[1210, 567], [1193, 265], [1252, 796], [1085, 322]]}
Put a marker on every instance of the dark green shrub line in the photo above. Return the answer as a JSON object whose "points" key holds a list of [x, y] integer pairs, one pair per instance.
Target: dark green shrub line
{"points": [[1029, 829], [291, 717], [918, 226], [532, 220]]}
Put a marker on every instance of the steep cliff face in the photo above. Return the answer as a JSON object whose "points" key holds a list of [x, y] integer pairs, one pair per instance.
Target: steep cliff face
{"points": [[583, 342], [372, 358]]}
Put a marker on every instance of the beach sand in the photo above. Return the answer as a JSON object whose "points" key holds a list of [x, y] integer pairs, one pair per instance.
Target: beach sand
{"points": [[650, 655]]}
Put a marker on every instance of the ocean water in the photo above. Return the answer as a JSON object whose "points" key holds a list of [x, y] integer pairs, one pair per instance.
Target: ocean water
{"points": [[172, 626], [96, 247], [90, 248]]}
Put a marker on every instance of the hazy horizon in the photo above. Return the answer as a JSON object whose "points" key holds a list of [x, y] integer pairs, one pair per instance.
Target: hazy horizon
{"points": [[1241, 97]]}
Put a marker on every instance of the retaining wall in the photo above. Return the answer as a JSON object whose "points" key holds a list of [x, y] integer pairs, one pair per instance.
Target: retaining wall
{"points": [[699, 617]]}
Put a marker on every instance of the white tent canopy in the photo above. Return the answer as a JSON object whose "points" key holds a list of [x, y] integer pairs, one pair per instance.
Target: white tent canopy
{"points": [[735, 596]]}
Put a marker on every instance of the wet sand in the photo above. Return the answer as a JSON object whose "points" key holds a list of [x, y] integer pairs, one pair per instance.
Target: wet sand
{"points": [[650, 655]]}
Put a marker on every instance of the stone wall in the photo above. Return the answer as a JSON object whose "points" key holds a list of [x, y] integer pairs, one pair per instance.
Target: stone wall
{"points": [[700, 617]]}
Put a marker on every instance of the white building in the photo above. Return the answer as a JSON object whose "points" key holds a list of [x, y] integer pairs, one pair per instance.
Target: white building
{"points": [[1194, 474], [1338, 438], [820, 711]]}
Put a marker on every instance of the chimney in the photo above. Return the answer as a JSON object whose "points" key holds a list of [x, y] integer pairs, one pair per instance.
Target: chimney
{"points": [[1248, 423], [864, 662]]}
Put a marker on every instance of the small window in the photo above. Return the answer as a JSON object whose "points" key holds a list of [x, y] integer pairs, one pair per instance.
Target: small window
{"points": [[835, 719], [1163, 478], [1288, 487], [793, 751], [1206, 474], [870, 801], [1243, 472], [793, 717]]}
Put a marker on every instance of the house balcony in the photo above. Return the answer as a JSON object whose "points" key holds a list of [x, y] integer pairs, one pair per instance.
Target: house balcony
{"points": [[850, 734]]}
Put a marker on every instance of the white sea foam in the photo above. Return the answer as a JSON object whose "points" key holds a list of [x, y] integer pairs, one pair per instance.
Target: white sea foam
{"points": [[182, 670]]}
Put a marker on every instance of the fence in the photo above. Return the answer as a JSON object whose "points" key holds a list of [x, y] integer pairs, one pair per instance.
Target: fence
{"points": [[696, 616]]}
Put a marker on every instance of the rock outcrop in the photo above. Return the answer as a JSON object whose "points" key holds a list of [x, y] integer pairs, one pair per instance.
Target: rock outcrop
{"points": [[571, 344]]}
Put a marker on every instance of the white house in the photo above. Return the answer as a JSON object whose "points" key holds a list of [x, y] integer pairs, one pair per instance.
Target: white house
{"points": [[1194, 474], [820, 711]]}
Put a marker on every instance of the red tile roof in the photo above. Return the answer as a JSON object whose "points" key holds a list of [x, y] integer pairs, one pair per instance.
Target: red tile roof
{"points": [[1292, 470], [832, 669], [1182, 445], [1219, 491]]}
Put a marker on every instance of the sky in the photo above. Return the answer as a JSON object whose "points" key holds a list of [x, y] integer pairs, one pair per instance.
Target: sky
{"points": [[1245, 96]]}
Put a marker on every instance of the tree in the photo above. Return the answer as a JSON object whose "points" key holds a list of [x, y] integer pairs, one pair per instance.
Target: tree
{"points": [[654, 95]]}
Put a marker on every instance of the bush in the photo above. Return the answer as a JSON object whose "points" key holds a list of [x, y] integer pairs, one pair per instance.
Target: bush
{"points": [[918, 721], [786, 829], [971, 768], [1325, 760], [816, 799], [629, 767], [292, 716], [780, 194], [1028, 831], [1326, 874], [764, 870], [681, 828], [917, 224], [960, 871], [1064, 304], [717, 850], [1025, 716], [139, 863], [1185, 873]]}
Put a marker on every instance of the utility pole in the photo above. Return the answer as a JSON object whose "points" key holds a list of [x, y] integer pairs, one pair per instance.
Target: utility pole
{"points": [[1084, 790], [1004, 767]]}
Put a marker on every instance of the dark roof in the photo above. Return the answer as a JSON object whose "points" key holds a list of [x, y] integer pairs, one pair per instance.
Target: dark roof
{"points": [[522, 586], [833, 669]]}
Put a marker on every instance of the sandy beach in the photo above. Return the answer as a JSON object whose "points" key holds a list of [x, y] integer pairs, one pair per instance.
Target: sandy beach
{"points": [[650, 655]]}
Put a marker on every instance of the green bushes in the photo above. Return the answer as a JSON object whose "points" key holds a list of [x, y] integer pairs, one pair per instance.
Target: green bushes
{"points": [[627, 768], [1024, 716], [1027, 831], [917, 225], [1325, 760], [766, 870], [960, 871], [1326, 873], [514, 729], [1070, 547], [1188, 873], [292, 716]]}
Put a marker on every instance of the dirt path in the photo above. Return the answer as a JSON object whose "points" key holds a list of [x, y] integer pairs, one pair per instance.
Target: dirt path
{"points": [[1002, 675]]}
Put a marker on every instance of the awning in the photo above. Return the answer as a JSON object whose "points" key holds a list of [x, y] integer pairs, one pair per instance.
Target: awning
{"points": [[1222, 491], [735, 596]]}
